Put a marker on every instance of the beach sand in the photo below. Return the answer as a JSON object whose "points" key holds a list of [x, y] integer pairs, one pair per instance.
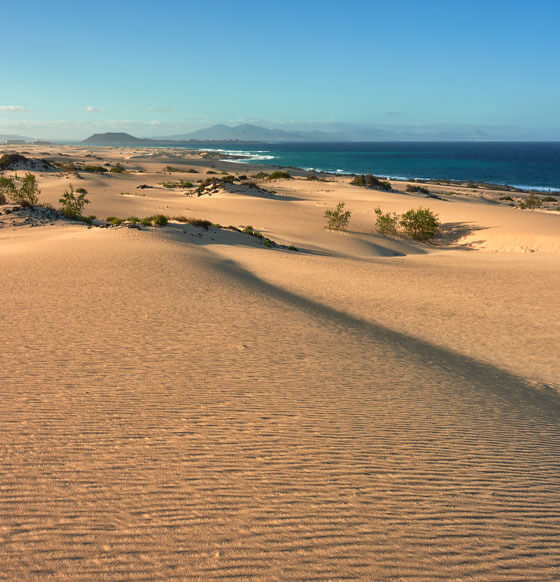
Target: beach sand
{"points": [[189, 404]]}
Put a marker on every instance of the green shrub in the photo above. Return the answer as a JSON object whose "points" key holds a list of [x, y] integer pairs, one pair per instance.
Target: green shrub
{"points": [[7, 188], [386, 223], [118, 168], [133, 219], [159, 220], [146, 221], [95, 169], [258, 176], [420, 189], [72, 205], [25, 193], [370, 181], [506, 198], [531, 202], [421, 224], [279, 175], [292, 248], [549, 199], [211, 172], [242, 177], [191, 171], [338, 218]]}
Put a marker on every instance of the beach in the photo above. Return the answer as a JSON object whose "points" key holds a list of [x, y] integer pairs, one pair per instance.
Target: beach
{"points": [[190, 403]]}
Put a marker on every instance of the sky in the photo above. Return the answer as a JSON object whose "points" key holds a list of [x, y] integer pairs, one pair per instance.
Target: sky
{"points": [[70, 69]]}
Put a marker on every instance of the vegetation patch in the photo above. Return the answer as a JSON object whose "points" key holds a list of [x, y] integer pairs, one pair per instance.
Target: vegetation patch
{"points": [[178, 184], [95, 169], [279, 175], [371, 181], [421, 189], [198, 222], [118, 168]]}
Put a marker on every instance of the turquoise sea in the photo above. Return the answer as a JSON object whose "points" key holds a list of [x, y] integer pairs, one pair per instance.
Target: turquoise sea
{"points": [[528, 165]]}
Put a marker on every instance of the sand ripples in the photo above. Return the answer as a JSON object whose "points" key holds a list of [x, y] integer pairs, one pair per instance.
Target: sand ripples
{"points": [[186, 425]]}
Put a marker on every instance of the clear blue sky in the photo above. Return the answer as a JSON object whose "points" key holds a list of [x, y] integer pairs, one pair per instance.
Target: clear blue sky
{"points": [[156, 67]]}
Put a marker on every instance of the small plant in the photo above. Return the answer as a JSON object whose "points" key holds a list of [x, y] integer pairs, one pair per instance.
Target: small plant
{"points": [[549, 199], [72, 205], [211, 172], [146, 221], [258, 176], [191, 171], [338, 218], [159, 220], [292, 248], [95, 169], [242, 177], [421, 224], [279, 175], [386, 223], [133, 219], [371, 181], [506, 198], [118, 168]]}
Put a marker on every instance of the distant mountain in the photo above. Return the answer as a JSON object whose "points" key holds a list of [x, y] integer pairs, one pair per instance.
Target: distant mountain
{"points": [[250, 133], [117, 139]]}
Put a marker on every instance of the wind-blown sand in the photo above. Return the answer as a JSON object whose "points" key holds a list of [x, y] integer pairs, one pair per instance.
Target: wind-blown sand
{"points": [[189, 404]]}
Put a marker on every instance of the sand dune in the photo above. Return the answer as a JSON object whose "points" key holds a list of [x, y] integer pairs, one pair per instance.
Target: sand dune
{"points": [[188, 404]]}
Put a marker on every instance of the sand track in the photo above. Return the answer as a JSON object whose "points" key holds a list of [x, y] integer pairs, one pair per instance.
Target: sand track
{"points": [[168, 415]]}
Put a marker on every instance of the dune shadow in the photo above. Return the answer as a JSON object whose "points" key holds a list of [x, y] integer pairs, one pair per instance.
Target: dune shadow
{"points": [[481, 376], [451, 234]]}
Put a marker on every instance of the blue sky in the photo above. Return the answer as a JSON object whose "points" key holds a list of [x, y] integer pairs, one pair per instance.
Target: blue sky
{"points": [[160, 68]]}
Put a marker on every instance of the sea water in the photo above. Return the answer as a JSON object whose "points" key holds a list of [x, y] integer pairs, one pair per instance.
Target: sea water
{"points": [[529, 165]]}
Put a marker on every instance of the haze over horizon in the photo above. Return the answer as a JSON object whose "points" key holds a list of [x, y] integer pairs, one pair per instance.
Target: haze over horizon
{"points": [[314, 67]]}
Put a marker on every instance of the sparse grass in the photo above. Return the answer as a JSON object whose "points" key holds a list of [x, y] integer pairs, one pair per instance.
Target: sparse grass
{"points": [[313, 177], [420, 189], [506, 198], [549, 199], [95, 169], [178, 184], [338, 218], [133, 219], [199, 222], [114, 220], [146, 221], [259, 176]]}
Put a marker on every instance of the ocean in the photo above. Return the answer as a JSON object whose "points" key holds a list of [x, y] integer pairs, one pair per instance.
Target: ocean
{"points": [[528, 165]]}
